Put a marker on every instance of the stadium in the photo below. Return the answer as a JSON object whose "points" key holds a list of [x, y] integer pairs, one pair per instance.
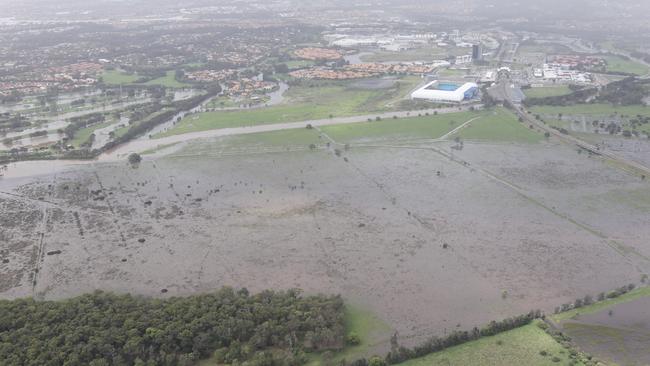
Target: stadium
{"points": [[437, 91]]}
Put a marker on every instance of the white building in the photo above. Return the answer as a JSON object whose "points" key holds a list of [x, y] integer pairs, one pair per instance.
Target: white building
{"points": [[436, 91], [462, 60]]}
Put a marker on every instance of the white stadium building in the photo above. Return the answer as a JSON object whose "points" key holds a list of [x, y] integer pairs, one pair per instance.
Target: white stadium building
{"points": [[437, 91]]}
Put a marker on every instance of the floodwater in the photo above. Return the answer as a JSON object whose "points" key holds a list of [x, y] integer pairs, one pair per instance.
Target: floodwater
{"points": [[620, 333], [424, 242], [631, 315]]}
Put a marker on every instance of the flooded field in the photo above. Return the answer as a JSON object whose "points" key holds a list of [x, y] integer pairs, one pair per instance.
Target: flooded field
{"points": [[620, 333], [427, 244]]}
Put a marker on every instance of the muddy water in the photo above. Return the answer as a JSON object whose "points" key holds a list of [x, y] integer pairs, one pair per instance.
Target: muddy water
{"points": [[371, 228], [620, 334], [632, 315]]}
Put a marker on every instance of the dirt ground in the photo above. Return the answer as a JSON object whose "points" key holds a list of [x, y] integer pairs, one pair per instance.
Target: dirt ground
{"points": [[426, 243]]}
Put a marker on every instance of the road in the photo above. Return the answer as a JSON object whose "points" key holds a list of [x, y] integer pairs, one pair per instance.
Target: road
{"points": [[140, 145], [504, 90]]}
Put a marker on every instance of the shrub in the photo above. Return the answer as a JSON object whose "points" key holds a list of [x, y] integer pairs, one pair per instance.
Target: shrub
{"points": [[376, 361], [353, 339]]}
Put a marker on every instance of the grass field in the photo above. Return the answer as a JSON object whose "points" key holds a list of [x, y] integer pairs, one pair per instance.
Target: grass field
{"points": [[551, 91], [521, 346], [500, 125], [304, 103], [116, 77], [619, 64], [415, 127], [168, 81]]}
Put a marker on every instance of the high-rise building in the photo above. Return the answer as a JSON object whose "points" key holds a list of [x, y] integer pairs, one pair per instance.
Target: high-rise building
{"points": [[477, 52]]}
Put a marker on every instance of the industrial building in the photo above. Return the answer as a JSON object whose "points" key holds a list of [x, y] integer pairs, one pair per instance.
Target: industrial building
{"points": [[437, 91]]}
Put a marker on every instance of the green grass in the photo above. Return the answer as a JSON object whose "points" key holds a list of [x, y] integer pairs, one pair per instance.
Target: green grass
{"points": [[116, 77], [415, 127], [602, 305], [304, 103], [83, 134], [552, 91], [169, 81], [370, 329], [517, 347], [619, 64], [119, 132], [500, 125]]}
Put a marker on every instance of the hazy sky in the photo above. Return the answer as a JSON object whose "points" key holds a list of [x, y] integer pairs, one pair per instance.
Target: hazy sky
{"points": [[494, 8]]}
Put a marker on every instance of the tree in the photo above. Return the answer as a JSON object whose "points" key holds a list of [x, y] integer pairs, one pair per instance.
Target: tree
{"points": [[376, 361], [135, 159]]}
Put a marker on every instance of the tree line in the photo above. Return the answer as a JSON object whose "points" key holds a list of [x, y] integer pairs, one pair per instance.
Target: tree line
{"points": [[104, 329]]}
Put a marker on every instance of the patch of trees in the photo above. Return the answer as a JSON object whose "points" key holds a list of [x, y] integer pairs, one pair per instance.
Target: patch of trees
{"points": [[78, 102], [38, 133], [77, 123], [270, 328], [628, 91], [140, 128], [588, 300], [10, 122], [13, 97]]}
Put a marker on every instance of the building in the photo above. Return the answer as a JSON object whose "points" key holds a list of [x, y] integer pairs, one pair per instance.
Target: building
{"points": [[464, 59], [477, 52], [437, 91]]}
